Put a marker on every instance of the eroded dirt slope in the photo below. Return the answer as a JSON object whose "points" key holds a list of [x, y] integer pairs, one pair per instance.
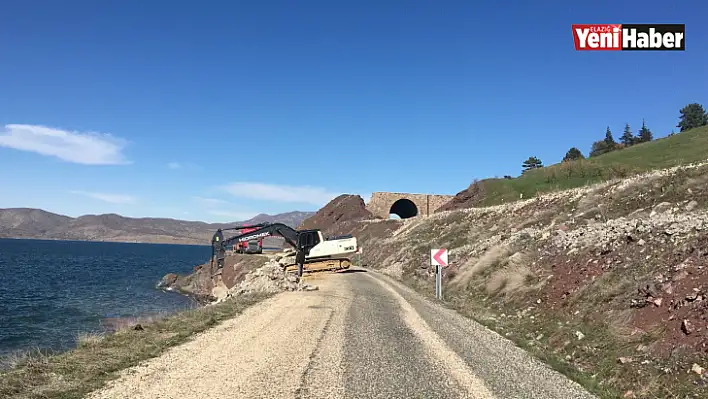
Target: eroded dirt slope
{"points": [[467, 198], [608, 282]]}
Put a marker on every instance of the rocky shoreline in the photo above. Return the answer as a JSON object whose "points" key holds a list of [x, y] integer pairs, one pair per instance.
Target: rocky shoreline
{"points": [[169, 283]]}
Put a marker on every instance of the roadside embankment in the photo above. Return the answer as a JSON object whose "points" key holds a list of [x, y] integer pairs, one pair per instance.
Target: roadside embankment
{"points": [[608, 283]]}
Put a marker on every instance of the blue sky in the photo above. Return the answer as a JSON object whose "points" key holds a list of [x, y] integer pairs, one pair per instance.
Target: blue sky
{"points": [[220, 110]]}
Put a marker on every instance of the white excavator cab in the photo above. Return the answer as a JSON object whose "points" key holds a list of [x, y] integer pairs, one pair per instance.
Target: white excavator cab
{"points": [[333, 247]]}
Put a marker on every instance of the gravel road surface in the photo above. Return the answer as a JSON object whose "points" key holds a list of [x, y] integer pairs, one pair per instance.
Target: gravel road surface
{"points": [[362, 335]]}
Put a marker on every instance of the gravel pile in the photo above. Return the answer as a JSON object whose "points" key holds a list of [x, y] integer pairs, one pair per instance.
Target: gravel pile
{"points": [[270, 278]]}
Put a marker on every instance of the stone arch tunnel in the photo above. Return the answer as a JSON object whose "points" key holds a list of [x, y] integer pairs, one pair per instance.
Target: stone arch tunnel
{"points": [[404, 208], [405, 205]]}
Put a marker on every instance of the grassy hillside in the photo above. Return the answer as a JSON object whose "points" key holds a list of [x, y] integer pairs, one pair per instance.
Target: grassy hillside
{"points": [[686, 147]]}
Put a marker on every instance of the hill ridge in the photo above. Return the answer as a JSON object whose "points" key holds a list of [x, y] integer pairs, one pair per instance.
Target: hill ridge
{"points": [[41, 224]]}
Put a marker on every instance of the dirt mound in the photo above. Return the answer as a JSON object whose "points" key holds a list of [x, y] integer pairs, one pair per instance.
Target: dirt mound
{"points": [[344, 208], [269, 278], [467, 198]]}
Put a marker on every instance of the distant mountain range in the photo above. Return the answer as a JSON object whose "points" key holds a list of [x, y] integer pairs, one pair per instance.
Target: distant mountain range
{"points": [[40, 224]]}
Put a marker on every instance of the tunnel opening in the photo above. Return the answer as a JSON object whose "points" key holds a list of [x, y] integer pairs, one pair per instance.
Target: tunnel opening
{"points": [[403, 209]]}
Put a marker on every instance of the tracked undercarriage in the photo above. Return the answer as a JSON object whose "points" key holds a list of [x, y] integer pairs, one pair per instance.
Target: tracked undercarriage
{"points": [[320, 265]]}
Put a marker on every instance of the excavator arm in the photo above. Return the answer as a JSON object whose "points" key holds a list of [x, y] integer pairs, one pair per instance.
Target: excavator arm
{"points": [[302, 241], [265, 230]]}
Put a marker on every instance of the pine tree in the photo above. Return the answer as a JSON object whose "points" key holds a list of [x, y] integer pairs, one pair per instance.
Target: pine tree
{"points": [[692, 116], [531, 163], [627, 138], [609, 140], [645, 134]]}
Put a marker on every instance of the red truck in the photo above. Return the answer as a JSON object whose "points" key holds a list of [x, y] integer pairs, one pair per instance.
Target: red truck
{"points": [[251, 246]]}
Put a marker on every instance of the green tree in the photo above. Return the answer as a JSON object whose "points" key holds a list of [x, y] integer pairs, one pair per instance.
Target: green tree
{"points": [[599, 147], [692, 116], [573, 154], [531, 163], [627, 138], [645, 134], [609, 140]]}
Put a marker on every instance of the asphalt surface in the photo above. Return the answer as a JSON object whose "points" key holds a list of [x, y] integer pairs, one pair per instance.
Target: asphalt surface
{"points": [[361, 335]]}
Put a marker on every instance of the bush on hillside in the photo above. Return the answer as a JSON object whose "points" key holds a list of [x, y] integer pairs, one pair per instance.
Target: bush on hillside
{"points": [[573, 154], [599, 147]]}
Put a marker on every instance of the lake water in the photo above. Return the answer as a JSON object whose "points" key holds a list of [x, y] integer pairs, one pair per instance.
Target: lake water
{"points": [[52, 290]]}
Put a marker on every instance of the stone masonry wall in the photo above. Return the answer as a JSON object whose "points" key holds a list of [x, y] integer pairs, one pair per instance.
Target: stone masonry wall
{"points": [[380, 203]]}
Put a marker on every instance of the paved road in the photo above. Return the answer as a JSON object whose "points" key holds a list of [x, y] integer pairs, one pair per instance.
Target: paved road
{"points": [[361, 335]]}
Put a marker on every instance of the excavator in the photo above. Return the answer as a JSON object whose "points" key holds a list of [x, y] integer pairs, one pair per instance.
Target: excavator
{"points": [[313, 252]]}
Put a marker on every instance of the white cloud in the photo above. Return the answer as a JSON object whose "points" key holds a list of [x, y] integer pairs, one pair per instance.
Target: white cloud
{"points": [[88, 148], [233, 215], [185, 166], [112, 198], [209, 201], [280, 193]]}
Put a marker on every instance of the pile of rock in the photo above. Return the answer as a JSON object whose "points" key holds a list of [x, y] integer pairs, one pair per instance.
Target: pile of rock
{"points": [[666, 221], [270, 278]]}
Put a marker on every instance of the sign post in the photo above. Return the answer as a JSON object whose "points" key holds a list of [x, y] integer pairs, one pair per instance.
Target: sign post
{"points": [[438, 258]]}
